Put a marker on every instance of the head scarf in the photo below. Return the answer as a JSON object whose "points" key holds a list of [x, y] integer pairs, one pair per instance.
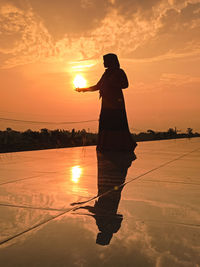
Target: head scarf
{"points": [[111, 61]]}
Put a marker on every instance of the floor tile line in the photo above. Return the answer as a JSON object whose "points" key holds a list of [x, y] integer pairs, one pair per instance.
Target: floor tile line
{"points": [[170, 182], [38, 175], [80, 203], [148, 220], [30, 207], [161, 166], [136, 178], [22, 179], [33, 227], [171, 222]]}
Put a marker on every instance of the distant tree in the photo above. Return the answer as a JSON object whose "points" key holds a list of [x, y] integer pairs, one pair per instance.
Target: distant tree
{"points": [[12, 140], [28, 131], [83, 132], [150, 131], [171, 131], [44, 131], [189, 131], [8, 129], [73, 133]]}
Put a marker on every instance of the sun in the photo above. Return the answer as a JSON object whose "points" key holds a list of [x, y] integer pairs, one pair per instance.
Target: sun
{"points": [[79, 81]]}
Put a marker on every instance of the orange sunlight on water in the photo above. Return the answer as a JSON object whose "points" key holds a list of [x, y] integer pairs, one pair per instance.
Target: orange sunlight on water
{"points": [[76, 172]]}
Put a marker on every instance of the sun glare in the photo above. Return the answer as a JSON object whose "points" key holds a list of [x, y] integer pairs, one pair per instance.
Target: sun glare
{"points": [[81, 67], [79, 81], [76, 174]]}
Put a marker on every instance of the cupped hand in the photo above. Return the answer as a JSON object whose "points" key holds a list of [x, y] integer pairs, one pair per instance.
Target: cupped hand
{"points": [[81, 89]]}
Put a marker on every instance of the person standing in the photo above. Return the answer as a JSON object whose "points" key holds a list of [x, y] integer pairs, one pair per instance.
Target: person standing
{"points": [[113, 134]]}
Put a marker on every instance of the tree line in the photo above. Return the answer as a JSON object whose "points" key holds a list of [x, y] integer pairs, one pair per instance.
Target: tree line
{"points": [[12, 141]]}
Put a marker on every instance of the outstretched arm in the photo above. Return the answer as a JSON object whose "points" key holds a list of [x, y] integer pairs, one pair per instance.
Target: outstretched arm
{"points": [[92, 88], [89, 89]]}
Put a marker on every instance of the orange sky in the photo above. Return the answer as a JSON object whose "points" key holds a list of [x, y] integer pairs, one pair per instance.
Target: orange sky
{"points": [[44, 44]]}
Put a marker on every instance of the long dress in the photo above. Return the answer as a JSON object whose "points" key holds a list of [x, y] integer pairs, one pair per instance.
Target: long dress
{"points": [[114, 134]]}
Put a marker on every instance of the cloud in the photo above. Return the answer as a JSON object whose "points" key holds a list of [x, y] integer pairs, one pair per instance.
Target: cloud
{"points": [[177, 80], [177, 35], [141, 30], [169, 81], [148, 8], [23, 38], [29, 40], [115, 33], [72, 18]]}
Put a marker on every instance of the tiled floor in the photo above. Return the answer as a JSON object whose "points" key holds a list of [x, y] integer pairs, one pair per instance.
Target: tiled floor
{"points": [[157, 222]]}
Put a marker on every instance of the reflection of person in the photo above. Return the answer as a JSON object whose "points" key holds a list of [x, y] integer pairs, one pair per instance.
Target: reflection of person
{"points": [[112, 170], [114, 132]]}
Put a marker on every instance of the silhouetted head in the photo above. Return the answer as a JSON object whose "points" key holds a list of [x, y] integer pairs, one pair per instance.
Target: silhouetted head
{"points": [[111, 61]]}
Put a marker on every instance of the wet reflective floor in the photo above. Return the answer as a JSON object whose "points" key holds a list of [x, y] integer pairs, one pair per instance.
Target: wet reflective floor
{"points": [[76, 207]]}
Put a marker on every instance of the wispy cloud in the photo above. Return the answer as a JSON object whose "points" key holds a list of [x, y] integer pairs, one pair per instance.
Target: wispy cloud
{"points": [[24, 38], [168, 82], [178, 79], [133, 29]]}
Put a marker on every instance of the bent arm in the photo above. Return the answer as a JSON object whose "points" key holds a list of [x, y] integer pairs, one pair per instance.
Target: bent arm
{"points": [[118, 79], [124, 80]]}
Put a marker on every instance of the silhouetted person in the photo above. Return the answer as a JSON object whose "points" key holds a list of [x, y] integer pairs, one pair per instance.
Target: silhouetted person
{"points": [[112, 171], [114, 134]]}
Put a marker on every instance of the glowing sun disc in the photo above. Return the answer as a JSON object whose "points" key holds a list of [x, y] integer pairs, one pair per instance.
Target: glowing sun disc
{"points": [[79, 81]]}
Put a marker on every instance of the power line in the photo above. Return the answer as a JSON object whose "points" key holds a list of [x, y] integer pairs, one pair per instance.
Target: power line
{"points": [[46, 122], [56, 123]]}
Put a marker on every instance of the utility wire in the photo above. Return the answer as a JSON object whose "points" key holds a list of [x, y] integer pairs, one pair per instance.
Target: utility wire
{"points": [[57, 123], [64, 122], [46, 122]]}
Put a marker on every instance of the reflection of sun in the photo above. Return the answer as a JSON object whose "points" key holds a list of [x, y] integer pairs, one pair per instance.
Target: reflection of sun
{"points": [[79, 81], [76, 174]]}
